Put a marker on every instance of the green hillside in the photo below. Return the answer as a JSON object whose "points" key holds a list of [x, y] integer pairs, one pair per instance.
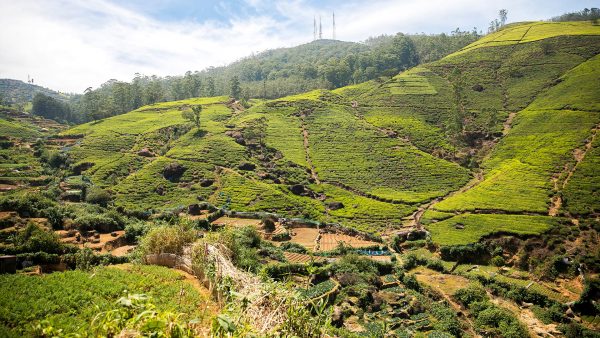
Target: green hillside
{"points": [[512, 107]]}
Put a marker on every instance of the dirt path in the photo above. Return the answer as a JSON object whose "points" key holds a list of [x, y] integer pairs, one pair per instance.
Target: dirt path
{"points": [[508, 123], [472, 183], [535, 327], [567, 172], [445, 285], [313, 172]]}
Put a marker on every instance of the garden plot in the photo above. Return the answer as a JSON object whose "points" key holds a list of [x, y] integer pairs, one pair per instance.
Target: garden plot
{"points": [[307, 237], [447, 284], [98, 242], [238, 222], [299, 258], [330, 241]]}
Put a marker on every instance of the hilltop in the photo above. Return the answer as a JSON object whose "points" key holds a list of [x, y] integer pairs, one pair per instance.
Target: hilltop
{"points": [[15, 91]]}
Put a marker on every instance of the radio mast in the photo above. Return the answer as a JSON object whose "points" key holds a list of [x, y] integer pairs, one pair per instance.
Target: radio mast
{"points": [[334, 25], [314, 28], [320, 29]]}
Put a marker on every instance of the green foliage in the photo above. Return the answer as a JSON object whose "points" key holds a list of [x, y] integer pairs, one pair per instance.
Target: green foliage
{"points": [[293, 247], [193, 115], [318, 289], [52, 108], [35, 239], [470, 295], [167, 239], [69, 301], [469, 228], [98, 196], [134, 231], [137, 313]]}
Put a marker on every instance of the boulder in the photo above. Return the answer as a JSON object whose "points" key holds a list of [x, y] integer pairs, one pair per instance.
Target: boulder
{"points": [[237, 136], [335, 205], [247, 166], [207, 182], [194, 209], [145, 152], [337, 317], [477, 88], [173, 171]]}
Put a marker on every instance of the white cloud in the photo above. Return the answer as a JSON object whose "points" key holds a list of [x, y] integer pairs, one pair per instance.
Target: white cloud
{"points": [[72, 44]]}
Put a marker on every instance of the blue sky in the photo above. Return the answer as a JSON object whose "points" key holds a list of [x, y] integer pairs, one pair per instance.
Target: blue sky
{"points": [[70, 45]]}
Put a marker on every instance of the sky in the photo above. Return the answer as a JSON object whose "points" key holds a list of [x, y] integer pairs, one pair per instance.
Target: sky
{"points": [[70, 45]]}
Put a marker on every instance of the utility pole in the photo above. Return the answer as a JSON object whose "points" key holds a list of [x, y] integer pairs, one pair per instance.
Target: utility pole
{"points": [[320, 29], [334, 25]]}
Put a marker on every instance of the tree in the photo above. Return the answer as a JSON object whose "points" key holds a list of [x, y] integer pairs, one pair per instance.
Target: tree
{"points": [[193, 115], [210, 87], [235, 89], [502, 14], [51, 108]]}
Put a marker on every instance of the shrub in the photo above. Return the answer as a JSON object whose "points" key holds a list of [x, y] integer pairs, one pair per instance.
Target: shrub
{"points": [[136, 230], [497, 261], [465, 253], [98, 196], [499, 322], [167, 239], [470, 295], [27, 205], [411, 282], [293, 247], [268, 224], [587, 301], [35, 239], [102, 223], [436, 264]]}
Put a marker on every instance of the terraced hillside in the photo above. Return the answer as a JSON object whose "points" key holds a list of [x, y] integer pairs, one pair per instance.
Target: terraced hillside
{"points": [[498, 137]]}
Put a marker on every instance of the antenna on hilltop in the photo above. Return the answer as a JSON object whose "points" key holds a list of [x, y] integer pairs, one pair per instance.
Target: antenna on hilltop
{"points": [[334, 25], [320, 29], [314, 28]]}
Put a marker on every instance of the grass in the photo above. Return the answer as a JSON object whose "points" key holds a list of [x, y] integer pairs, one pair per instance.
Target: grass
{"points": [[374, 163], [521, 165], [70, 300], [412, 82], [477, 226], [17, 129], [363, 213], [581, 195], [528, 32], [577, 90]]}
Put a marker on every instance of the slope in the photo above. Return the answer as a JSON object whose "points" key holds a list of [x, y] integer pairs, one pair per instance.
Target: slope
{"points": [[367, 155]]}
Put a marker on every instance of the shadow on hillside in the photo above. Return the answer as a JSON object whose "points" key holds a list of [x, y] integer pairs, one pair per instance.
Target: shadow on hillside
{"points": [[200, 133]]}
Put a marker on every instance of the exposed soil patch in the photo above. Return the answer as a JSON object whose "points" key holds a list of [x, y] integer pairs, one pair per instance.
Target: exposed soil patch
{"points": [[508, 123], [567, 172], [123, 251], [329, 242], [313, 172], [103, 243], [307, 237], [293, 257], [535, 326]]}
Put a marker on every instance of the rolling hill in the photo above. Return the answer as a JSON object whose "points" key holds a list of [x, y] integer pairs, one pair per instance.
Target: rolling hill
{"points": [[497, 137]]}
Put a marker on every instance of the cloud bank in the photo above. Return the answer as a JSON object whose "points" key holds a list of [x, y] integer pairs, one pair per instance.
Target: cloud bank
{"points": [[70, 45]]}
